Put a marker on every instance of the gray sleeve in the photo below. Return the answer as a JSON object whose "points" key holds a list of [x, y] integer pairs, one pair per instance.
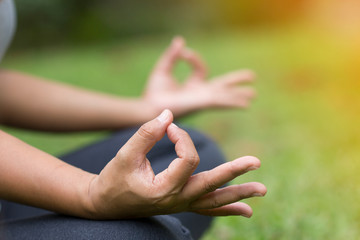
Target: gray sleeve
{"points": [[7, 24]]}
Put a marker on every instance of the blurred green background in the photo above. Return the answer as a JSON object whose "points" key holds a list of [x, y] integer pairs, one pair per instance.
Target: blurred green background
{"points": [[304, 124]]}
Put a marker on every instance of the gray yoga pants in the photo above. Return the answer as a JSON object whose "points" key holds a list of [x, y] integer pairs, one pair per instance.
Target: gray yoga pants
{"points": [[24, 222]]}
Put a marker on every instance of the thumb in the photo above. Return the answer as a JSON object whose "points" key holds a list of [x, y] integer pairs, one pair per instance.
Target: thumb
{"points": [[148, 134]]}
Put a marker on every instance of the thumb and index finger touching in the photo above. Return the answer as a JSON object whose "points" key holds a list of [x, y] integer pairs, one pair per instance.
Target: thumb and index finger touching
{"points": [[135, 150], [146, 137], [178, 51], [180, 169]]}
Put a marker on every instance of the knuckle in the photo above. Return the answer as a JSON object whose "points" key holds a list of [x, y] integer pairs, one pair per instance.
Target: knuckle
{"points": [[146, 132], [183, 134], [234, 169], [210, 187], [215, 203], [192, 160]]}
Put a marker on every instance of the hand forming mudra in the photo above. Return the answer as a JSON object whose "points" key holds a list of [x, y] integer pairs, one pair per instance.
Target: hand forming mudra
{"points": [[128, 188], [163, 90]]}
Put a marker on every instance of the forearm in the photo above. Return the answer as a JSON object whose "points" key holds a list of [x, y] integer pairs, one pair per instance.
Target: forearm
{"points": [[34, 103], [32, 177]]}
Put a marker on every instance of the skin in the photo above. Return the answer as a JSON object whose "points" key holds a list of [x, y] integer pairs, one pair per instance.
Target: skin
{"points": [[127, 186], [196, 93], [58, 107]]}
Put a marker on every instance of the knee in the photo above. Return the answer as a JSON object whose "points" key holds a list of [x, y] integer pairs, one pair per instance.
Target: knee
{"points": [[63, 227]]}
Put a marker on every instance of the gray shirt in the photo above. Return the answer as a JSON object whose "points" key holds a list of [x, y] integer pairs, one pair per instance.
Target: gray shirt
{"points": [[7, 27], [7, 24]]}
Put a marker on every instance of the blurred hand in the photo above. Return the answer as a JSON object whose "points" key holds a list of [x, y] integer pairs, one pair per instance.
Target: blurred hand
{"points": [[128, 188], [164, 91]]}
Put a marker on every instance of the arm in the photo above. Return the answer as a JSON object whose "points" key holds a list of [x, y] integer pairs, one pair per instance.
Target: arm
{"points": [[197, 93], [30, 176], [127, 186], [31, 102]]}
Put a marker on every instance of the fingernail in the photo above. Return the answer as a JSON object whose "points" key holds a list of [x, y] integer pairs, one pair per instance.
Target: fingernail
{"points": [[174, 125], [257, 195], [163, 116], [244, 215], [178, 40], [251, 168]]}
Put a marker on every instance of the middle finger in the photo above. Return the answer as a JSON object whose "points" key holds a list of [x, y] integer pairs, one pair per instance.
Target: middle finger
{"points": [[209, 181]]}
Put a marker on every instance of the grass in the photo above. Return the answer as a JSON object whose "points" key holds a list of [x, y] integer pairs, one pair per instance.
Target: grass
{"points": [[303, 125]]}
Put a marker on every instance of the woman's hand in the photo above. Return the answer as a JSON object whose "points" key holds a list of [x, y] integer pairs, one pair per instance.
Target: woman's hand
{"points": [[128, 188], [164, 91]]}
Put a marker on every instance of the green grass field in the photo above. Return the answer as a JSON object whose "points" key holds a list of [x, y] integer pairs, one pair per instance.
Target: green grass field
{"points": [[304, 124]]}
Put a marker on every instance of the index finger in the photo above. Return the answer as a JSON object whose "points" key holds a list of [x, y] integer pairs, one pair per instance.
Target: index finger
{"points": [[196, 62], [180, 169]]}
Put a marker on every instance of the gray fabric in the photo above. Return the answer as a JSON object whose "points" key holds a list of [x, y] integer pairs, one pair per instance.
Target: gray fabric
{"points": [[58, 227], [7, 24]]}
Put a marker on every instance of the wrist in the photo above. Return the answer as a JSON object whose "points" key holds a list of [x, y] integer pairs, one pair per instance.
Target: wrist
{"points": [[179, 103], [87, 209]]}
